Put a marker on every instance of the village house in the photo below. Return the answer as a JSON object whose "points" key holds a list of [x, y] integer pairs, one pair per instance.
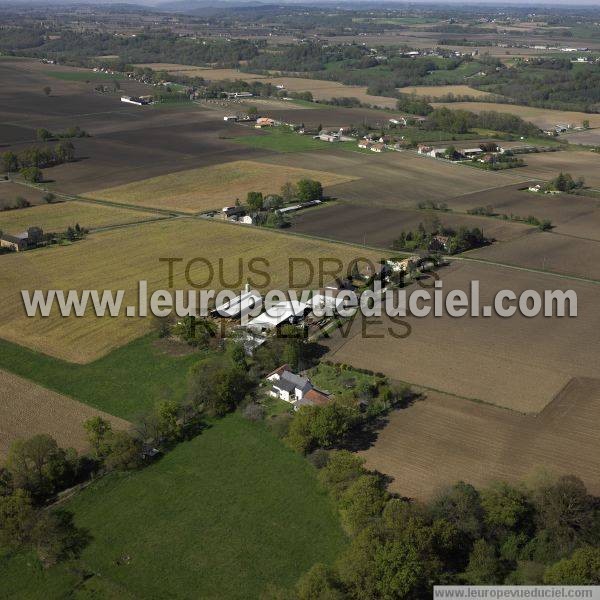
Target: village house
{"points": [[378, 147], [295, 389], [264, 122], [439, 243], [20, 242], [365, 143]]}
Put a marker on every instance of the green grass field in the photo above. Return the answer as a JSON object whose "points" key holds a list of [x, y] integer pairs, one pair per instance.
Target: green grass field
{"points": [[230, 511], [122, 383], [282, 140]]}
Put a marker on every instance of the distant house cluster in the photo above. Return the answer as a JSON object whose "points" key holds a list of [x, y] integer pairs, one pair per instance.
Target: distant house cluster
{"points": [[368, 144], [20, 242], [295, 389]]}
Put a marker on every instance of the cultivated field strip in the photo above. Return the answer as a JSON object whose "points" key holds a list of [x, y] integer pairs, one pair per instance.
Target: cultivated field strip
{"points": [[27, 409], [212, 187], [485, 359], [444, 439]]}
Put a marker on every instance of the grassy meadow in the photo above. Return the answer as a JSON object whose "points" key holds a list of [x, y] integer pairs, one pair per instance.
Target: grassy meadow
{"points": [[123, 383], [283, 140], [224, 508]]}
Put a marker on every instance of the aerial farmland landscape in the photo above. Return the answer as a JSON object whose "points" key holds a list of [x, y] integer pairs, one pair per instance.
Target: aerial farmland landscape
{"points": [[299, 301]]}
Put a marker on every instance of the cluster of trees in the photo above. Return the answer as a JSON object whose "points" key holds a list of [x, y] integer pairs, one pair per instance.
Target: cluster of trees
{"points": [[162, 46], [547, 532], [427, 237], [564, 182], [498, 162], [488, 211], [71, 233], [36, 470], [346, 416], [461, 121], [30, 161], [355, 64], [266, 208], [549, 83], [19, 202], [45, 135], [413, 105]]}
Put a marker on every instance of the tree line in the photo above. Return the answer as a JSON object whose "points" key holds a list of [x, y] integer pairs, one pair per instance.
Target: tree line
{"points": [[541, 532], [30, 161], [437, 238]]}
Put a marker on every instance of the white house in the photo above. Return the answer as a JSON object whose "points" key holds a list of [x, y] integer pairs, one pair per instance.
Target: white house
{"points": [[295, 389]]}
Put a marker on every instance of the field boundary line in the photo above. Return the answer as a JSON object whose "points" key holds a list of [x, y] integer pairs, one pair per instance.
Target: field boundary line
{"points": [[110, 203], [526, 269], [285, 232]]}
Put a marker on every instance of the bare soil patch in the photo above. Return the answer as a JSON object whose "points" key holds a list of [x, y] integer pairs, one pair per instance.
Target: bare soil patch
{"points": [[350, 221], [398, 179], [548, 165], [494, 360], [27, 409], [547, 251], [442, 439]]}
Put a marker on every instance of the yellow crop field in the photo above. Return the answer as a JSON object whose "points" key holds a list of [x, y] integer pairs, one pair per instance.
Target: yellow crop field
{"points": [[438, 91], [542, 117], [213, 187], [118, 259], [57, 217]]}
